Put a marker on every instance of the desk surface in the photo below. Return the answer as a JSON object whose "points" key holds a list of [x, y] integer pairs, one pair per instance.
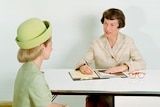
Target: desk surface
{"points": [[61, 83]]}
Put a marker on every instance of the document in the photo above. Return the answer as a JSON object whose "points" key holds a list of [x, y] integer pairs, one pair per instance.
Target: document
{"points": [[77, 75], [97, 74], [102, 74]]}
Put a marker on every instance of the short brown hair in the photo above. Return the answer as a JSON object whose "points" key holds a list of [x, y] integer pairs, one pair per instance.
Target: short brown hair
{"points": [[113, 14], [26, 55]]}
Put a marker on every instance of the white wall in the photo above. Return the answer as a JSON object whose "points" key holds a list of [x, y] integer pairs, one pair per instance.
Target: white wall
{"points": [[75, 24]]}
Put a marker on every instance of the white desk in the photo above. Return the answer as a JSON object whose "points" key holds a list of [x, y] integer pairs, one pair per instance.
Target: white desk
{"points": [[61, 83]]}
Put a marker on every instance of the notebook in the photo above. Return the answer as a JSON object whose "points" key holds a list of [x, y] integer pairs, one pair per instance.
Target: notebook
{"points": [[97, 74]]}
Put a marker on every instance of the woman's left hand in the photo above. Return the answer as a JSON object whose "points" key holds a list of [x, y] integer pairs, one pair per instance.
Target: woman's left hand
{"points": [[117, 69]]}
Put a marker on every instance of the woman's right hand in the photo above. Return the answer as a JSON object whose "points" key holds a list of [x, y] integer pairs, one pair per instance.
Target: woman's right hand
{"points": [[85, 69]]}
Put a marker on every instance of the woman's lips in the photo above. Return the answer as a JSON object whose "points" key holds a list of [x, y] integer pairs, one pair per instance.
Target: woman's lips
{"points": [[108, 33]]}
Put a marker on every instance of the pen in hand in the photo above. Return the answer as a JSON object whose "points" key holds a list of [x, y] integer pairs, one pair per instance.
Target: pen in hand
{"points": [[87, 69], [86, 63]]}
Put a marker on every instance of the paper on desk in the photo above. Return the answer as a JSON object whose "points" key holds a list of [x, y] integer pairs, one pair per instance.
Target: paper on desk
{"points": [[101, 73], [107, 75], [77, 75]]}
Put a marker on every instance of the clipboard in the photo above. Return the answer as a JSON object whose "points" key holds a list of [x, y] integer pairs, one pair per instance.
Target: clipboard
{"points": [[97, 74]]}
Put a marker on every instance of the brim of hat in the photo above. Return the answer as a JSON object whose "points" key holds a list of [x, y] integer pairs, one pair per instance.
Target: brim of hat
{"points": [[38, 40]]}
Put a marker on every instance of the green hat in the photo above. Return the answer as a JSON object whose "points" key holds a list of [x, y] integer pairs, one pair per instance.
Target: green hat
{"points": [[32, 33]]}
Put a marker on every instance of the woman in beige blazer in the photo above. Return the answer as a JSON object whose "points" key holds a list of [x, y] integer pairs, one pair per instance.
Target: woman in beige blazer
{"points": [[113, 51]]}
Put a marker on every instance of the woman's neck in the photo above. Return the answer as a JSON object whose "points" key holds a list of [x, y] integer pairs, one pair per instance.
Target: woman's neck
{"points": [[112, 40], [38, 62]]}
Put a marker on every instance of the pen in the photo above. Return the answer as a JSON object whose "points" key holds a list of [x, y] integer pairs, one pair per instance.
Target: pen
{"points": [[89, 68], [86, 63]]}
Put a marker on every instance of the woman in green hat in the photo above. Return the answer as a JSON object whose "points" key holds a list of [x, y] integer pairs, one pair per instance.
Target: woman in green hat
{"points": [[35, 43]]}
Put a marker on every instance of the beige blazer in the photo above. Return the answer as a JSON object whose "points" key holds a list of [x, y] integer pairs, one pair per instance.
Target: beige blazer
{"points": [[123, 52]]}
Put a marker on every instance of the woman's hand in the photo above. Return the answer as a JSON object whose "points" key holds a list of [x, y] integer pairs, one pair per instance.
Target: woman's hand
{"points": [[117, 69], [85, 69]]}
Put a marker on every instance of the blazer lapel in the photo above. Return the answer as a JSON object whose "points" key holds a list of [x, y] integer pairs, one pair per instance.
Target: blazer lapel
{"points": [[119, 47], [107, 48]]}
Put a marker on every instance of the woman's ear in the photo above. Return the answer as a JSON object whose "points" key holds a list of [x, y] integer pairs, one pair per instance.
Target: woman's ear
{"points": [[42, 46]]}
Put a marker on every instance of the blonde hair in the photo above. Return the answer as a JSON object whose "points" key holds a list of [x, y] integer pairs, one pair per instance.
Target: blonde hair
{"points": [[26, 55]]}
